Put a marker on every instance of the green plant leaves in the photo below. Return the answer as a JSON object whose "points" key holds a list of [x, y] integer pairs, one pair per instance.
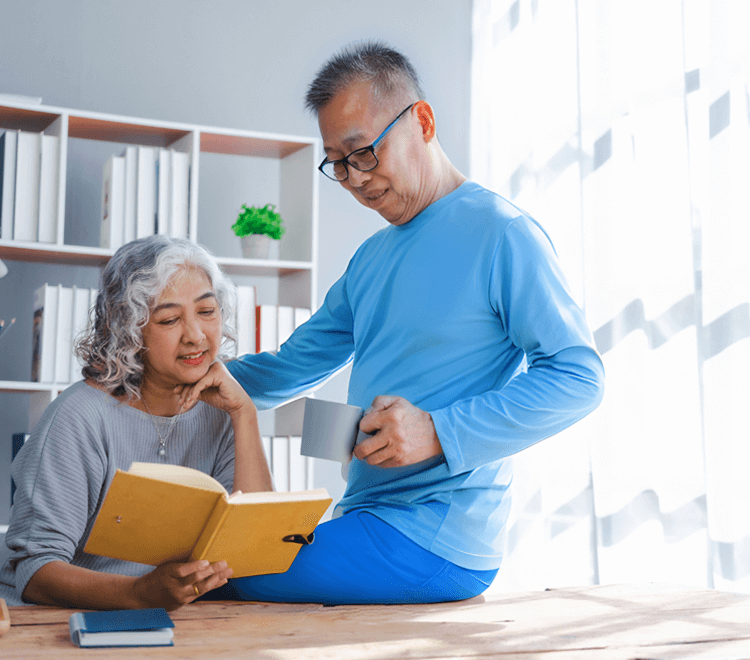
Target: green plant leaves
{"points": [[256, 220]]}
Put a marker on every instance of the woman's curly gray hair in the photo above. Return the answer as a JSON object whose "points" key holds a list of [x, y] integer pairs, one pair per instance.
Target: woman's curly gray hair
{"points": [[131, 282]]}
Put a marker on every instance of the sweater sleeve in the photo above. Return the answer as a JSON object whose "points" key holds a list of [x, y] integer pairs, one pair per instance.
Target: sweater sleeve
{"points": [[60, 475], [315, 351], [564, 378]]}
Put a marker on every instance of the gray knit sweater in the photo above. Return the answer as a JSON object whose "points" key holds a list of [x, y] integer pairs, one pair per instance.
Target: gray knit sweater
{"points": [[63, 472]]}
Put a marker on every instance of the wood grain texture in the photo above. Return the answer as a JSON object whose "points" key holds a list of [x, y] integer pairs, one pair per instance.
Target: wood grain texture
{"points": [[590, 623]]}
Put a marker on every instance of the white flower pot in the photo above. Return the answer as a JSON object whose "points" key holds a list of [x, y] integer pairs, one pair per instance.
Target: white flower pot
{"points": [[259, 246]]}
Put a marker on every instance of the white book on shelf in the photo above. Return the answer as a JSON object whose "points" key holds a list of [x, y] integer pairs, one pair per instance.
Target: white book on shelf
{"points": [[146, 192], [81, 305], [179, 194], [301, 315], [284, 323], [130, 154], [113, 203], [297, 464], [280, 462], [43, 334], [49, 168], [93, 293], [7, 183], [26, 214], [245, 319], [266, 333], [63, 334], [163, 191], [267, 450]]}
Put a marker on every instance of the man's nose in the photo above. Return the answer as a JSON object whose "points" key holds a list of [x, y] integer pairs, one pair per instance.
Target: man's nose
{"points": [[357, 178]]}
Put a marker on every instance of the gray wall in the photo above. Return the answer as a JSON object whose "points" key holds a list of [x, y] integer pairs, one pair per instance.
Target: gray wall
{"points": [[227, 63]]}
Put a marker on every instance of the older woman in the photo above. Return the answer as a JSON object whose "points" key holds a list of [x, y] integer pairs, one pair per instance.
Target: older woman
{"points": [[155, 390]]}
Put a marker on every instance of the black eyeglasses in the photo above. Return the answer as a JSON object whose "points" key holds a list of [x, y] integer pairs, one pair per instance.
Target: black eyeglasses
{"points": [[363, 159]]}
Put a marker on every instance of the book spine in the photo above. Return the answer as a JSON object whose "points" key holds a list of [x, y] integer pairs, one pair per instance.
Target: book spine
{"points": [[18, 441], [212, 528], [280, 460], [113, 203], [179, 194], [44, 329], [284, 323], [63, 334], [130, 191], [163, 195], [7, 183], [301, 315], [26, 215], [297, 464], [268, 451], [266, 329], [48, 186], [81, 298], [146, 192], [245, 319]]}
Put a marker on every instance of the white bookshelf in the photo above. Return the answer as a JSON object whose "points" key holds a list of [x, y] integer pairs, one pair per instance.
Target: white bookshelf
{"points": [[291, 162]]}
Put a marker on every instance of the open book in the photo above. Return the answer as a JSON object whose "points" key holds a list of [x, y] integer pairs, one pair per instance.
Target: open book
{"points": [[157, 513]]}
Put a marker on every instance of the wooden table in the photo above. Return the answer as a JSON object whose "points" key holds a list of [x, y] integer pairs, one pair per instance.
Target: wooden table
{"points": [[586, 623]]}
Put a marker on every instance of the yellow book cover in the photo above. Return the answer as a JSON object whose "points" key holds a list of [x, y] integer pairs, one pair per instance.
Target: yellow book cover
{"points": [[154, 513]]}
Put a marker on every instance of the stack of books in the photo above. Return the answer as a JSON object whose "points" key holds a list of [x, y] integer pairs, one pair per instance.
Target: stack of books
{"points": [[29, 185], [264, 328], [60, 315], [145, 191]]}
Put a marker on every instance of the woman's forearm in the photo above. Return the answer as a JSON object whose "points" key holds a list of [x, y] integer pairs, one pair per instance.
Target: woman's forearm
{"points": [[61, 584]]}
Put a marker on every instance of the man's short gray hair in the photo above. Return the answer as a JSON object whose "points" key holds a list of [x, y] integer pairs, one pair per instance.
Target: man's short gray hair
{"points": [[387, 71]]}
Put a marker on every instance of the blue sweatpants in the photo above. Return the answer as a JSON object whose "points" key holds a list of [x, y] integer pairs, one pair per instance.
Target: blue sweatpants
{"points": [[359, 559]]}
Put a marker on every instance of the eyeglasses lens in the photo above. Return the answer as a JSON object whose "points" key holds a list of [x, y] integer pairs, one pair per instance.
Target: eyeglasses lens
{"points": [[363, 160]]}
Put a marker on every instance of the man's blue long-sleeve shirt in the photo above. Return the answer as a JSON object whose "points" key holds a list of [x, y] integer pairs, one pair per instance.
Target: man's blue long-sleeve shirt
{"points": [[464, 312]]}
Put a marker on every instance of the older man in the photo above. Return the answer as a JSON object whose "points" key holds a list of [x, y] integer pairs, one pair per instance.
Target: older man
{"points": [[466, 345]]}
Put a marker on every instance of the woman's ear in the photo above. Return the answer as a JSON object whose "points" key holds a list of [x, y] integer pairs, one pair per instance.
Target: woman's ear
{"points": [[426, 118]]}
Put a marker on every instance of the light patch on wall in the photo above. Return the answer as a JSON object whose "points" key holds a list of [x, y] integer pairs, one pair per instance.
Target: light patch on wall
{"points": [[692, 81], [603, 149], [718, 115], [506, 23]]}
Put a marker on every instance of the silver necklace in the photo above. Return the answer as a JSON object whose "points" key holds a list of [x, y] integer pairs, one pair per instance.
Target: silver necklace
{"points": [[162, 451]]}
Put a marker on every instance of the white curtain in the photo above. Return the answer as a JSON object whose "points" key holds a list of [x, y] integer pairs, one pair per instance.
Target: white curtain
{"points": [[623, 127]]}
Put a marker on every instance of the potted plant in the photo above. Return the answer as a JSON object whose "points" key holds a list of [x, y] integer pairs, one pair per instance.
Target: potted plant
{"points": [[256, 227]]}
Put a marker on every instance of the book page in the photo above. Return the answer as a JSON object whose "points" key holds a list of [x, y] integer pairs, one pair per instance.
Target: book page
{"points": [[177, 474], [273, 496]]}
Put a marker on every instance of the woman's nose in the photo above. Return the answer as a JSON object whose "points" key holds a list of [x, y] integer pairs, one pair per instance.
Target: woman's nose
{"points": [[193, 331]]}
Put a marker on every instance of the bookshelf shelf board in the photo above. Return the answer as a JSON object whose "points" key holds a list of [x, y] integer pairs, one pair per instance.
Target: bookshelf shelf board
{"points": [[29, 387], [262, 267], [25, 119], [53, 253], [246, 144], [77, 255], [123, 130]]}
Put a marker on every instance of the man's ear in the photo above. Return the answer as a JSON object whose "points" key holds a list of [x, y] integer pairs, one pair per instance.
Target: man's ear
{"points": [[426, 118]]}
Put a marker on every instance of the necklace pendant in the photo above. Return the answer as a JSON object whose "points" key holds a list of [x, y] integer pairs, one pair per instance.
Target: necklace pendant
{"points": [[162, 451]]}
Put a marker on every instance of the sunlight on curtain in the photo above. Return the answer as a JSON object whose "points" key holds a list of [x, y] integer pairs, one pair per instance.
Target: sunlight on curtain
{"points": [[624, 128]]}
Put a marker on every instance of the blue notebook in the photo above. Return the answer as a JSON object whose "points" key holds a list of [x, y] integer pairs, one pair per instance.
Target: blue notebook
{"points": [[151, 627]]}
